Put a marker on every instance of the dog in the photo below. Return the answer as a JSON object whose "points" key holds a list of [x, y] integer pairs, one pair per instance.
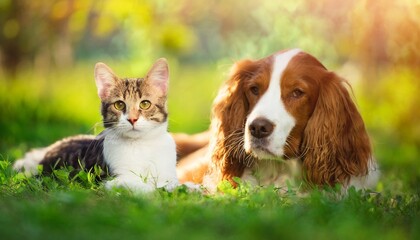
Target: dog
{"points": [[280, 118]]}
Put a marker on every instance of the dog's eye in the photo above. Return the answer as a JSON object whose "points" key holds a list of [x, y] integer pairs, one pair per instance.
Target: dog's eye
{"points": [[297, 93], [255, 90]]}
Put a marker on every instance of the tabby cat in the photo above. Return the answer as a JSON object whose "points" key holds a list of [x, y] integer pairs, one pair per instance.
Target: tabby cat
{"points": [[135, 146]]}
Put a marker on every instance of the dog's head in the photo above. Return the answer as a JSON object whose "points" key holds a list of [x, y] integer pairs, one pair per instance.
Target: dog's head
{"points": [[288, 105]]}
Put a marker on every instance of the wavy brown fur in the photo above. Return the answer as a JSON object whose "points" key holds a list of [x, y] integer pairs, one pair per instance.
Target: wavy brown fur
{"points": [[335, 141]]}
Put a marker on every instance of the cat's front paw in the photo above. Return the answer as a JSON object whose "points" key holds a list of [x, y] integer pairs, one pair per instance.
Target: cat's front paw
{"points": [[170, 187], [132, 185], [193, 187]]}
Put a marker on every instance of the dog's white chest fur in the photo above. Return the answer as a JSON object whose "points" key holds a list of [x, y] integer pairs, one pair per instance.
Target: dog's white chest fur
{"points": [[142, 164], [279, 174], [271, 172]]}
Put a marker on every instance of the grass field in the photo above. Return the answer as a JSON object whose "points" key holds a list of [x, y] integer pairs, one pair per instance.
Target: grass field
{"points": [[39, 108]]}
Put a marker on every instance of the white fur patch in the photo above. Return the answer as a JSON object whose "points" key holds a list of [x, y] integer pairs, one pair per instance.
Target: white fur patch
{"points": [[269, 172], [370, 180], [142, 164], [271, 107], [29, 163]]}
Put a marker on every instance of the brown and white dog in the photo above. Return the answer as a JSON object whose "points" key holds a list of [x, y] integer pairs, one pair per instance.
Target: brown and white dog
{"points": [[278, 116]]}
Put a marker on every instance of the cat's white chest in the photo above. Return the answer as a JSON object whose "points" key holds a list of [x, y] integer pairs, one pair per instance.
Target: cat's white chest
{"points": [[142, 164]]}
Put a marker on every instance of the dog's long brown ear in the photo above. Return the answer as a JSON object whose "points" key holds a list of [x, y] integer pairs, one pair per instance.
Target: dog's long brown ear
{"points": [[336, 145], [229, 113]]}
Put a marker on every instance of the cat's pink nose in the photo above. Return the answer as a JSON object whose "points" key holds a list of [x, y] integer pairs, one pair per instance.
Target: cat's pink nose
{"points": [[133, 120]]}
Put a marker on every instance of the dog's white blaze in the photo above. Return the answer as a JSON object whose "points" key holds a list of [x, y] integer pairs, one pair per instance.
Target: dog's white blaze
{"points": [[271, 107]]}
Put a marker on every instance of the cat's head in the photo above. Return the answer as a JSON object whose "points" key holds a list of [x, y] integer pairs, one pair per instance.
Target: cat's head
{"points": [[133, 107]]}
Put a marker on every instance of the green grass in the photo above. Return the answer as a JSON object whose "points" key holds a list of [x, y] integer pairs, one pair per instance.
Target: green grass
{"points": [[55, 207], [40, 108]]}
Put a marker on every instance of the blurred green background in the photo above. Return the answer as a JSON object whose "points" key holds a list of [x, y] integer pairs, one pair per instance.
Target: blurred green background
{"points": [[48, 49]]}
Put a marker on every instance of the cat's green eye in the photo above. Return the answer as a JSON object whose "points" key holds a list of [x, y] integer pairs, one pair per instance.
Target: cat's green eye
{"points": [[145, 104], [119, 105]]}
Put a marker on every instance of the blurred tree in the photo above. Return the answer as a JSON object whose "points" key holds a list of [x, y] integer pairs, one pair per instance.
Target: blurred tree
{"points": [[11, 54], [55, 33], [35, 32]]}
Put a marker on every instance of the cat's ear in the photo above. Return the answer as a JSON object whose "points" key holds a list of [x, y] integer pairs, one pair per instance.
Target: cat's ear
{"points": [[105, 79], [158, 75]]}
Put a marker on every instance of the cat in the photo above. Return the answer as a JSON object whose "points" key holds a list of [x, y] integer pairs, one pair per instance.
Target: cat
{"points": [[135, 145]]}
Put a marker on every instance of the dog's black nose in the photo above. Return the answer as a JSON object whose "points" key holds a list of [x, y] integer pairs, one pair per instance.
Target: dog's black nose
{"points": [[261, 128]]}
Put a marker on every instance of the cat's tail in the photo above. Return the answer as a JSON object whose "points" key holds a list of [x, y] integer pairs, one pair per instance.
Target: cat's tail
{"points": [[30, 162]]}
